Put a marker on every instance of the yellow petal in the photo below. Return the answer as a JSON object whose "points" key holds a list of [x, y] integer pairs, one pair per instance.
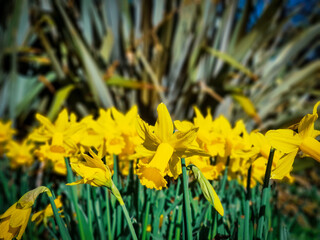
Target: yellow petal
{"points": [[311, 147], [284, 166], [118, 116], [142, 152], [81, 181], [62, 121], [183, 126], [20, 217], [306, 125], [175, 166], [151, 142], [284, 140], [199, 117], [164, 126], [315, 108], [183, 139], [162, 157], [45, 122], [132, 113]]}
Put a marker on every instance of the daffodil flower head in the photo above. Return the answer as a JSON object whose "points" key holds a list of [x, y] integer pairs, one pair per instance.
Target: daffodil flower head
{"points": [[288, 141], [163, 147], [20, 153], [58, 134], [14, 221], [93, 171]]}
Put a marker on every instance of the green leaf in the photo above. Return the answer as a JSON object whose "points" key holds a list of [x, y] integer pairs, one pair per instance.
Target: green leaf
{"points": [[59, 99], [107, 44], [232, 61], [94, 76]]}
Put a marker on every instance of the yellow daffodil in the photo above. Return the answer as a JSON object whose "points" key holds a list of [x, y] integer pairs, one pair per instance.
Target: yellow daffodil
{"points": [[107, 127], [6, 133], [20, 153], [14, 221], [45, 154], [126, 127], [57, 134], [208, 137], [88, 136], [45, 214], [288, 141], [93, 171], [163, 147]]}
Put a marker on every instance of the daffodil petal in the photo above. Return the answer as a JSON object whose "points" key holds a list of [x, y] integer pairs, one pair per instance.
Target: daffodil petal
{"points": [[164, 126], [315, 108], [284, 166], [183, 126], [151, 142], [183, 139], [62, 121], [284, 140], [45, 122], [175, 166], [311, 147], [306, 125]]}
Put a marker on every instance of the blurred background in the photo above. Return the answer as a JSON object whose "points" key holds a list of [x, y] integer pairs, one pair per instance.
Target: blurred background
{"points": [[258, 60]]}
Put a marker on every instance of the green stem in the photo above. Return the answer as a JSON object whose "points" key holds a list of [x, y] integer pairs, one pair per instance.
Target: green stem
{"points": [[186, 203], [126, 214], [74, 196], [172, 222], [178, 224], [247, 207], [63, 230], [89, 207], [108, 214], [146, 216], [224, 179], [98, 211], [115, 177], [262, 224]]}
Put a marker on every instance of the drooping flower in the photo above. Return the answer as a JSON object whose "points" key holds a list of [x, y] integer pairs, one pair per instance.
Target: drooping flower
{"points": [[162, 147], [288, 141], [14, 221]]}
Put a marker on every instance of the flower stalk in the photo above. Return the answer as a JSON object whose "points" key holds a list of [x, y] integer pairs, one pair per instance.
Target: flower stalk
{"points": [[186, 202], [263, 221]]}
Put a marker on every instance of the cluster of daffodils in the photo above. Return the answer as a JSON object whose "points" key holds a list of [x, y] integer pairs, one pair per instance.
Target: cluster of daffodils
{"points": [[155, 152]]}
